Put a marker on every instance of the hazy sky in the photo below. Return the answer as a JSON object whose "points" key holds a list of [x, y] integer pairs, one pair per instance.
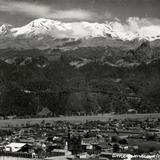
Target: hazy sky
{"points": [[20, 12]]}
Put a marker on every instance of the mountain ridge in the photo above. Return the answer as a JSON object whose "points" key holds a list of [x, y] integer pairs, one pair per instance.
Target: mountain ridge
{"points": [[46, 33], [91, 74]]}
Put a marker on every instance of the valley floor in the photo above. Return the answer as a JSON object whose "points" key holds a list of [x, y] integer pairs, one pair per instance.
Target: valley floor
{"points": [[76, 119]]}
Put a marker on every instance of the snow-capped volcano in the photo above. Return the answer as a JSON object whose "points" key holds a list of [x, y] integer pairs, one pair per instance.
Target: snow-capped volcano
{"points": [[57, 29], [44, 32]]}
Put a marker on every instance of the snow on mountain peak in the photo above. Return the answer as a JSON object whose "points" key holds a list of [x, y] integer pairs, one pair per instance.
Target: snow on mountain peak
{"points": [[5, 28], [56, 30], [39, 22], [46, 24]]}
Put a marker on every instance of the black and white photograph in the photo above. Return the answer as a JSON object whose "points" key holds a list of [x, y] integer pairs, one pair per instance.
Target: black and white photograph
{"points": [[79, 79]]}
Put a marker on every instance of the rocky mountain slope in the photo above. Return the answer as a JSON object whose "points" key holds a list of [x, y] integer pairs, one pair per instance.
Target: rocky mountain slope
{"points": [[47, 64]]}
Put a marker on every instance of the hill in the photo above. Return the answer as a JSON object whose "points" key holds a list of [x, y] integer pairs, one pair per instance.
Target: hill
{"points": [[84, 80]]}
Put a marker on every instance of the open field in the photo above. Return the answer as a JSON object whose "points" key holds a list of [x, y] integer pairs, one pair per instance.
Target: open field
{"points": [[75, 119], [13, 158]]}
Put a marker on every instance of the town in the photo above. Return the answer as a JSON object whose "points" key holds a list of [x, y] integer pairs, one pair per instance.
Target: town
{"points": [[130, 139]]}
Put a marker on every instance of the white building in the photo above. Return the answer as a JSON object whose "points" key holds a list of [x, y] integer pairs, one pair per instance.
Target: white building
{"points": [[14, 147]]}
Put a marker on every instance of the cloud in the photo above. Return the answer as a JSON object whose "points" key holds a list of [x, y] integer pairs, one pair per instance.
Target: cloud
{"points": [[107, 15], [38, 10], [3, 22], [23, 7], [149, 27], [71, 14], [142, 26]]}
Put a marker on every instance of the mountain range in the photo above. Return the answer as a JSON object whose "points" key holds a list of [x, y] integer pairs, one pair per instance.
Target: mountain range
{"points": [[45, 33], [77, 67]]}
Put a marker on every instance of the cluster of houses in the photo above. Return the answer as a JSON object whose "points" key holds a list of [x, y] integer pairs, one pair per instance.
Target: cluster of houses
{"points": [[114, 139]]}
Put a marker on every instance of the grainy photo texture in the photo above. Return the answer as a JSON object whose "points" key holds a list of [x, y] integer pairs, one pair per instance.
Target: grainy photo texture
{"points": [[80, 79]]}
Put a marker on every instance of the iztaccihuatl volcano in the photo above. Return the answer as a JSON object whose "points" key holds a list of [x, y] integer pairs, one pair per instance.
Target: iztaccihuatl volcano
{"points": [[77, 67]]}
